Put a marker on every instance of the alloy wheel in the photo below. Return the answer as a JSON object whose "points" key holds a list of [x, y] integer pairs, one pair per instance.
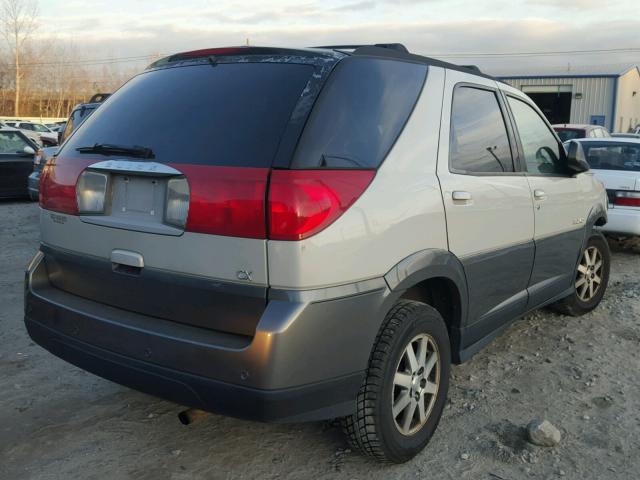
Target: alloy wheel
{"points": [[415, 384], [589, 274]]}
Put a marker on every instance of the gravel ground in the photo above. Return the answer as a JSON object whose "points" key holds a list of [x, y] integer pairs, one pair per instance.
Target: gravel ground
{"points": [[581, 374]]}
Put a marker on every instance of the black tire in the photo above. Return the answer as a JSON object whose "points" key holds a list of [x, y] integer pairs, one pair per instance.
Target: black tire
{"points": [[574, 305], [373, 429]]}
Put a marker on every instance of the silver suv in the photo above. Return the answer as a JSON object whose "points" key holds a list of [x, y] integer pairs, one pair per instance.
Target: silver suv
{"points": [[320, 236]]}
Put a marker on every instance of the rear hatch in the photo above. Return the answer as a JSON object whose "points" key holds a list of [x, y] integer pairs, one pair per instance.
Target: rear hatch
{"points": [[156, 204], [617, 165]]}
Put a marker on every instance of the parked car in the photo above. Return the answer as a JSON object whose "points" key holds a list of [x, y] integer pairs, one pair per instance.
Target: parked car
{"points": [[16, 162], [570, 131], [38, 132], [80, 113], [616, 163], [309, 234], [626, 135]]}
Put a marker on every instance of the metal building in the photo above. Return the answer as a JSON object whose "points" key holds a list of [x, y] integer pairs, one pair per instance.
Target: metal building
{"points": [[609, 97]]}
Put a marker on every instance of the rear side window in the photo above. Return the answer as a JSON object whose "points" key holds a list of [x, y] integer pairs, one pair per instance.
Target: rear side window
{"points": [[229, 114], [359, 114], [479, 142], [613, 156]]}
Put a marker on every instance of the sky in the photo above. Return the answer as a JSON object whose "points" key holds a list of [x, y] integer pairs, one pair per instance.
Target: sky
{"points": [[446, 29]]}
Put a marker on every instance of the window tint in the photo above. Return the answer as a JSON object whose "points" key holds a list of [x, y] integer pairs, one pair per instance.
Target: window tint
{"points": [[541, 149], [359, 113], [613, 156], [229, 114], [26, 126], [478, 141], [12, 142]]}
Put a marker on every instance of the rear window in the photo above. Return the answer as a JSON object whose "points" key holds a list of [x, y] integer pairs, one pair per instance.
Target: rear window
{"points": [[359, 113], [229, 114], [613, 156], [567, 134]]}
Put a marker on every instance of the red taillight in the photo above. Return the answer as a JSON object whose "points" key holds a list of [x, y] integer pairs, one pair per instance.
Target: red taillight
{"points": [[305, 202], [627, 199], [226, 200], [58, 184]]}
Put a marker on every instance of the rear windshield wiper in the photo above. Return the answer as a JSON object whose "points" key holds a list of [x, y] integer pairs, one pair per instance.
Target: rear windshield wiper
{"points": [[111, 149]]}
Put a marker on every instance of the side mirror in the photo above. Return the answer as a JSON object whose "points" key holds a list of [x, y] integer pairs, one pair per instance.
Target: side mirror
{"points": [[576, 159], [29, 150]]}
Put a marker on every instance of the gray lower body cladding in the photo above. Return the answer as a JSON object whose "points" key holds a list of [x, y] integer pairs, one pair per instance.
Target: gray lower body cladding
{"points": [[202, 302], [305, 361]]}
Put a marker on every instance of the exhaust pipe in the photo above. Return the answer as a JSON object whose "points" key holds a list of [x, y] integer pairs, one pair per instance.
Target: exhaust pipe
{"points": [[191, 415]]}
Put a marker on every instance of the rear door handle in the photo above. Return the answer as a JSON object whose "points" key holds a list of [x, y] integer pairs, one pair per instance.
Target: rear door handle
{"points": [[539, 194], [461, 196]]}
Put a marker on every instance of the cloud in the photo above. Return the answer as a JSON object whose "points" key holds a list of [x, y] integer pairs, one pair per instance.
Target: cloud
{"points": [[423, 30], [356, 6]]}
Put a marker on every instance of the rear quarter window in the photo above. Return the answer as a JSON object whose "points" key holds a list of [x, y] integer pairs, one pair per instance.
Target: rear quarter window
{"points": [[227, 114], [359, 113]]}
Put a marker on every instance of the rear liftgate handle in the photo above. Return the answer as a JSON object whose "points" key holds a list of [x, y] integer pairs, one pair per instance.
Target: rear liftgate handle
{"points": [[127, 262]]}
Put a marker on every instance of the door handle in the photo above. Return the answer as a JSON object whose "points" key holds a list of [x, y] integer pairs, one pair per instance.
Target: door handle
{"points": [[539, 194], [461, 196]]}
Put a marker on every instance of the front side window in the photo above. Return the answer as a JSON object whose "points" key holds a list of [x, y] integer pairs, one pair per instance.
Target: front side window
{"points": [[540, 147], [12, 143], [26, 126], [478, 141]]}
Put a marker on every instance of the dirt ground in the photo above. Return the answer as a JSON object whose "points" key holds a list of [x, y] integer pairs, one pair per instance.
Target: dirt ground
{"points": [[582, 374]]}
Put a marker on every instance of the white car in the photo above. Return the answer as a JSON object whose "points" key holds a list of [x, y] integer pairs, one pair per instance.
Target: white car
{"points": [[616, 163], [38, 132]]}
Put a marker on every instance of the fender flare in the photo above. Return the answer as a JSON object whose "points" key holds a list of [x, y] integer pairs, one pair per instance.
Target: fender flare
{"points": [[427, 264]]}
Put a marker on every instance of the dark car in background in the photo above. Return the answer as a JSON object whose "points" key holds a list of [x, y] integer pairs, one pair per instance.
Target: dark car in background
{"points": [[16, 162], [78, 115], [574, 131]]}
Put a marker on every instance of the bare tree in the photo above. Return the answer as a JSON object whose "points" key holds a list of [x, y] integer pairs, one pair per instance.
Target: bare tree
{"points": [[18, 21]]}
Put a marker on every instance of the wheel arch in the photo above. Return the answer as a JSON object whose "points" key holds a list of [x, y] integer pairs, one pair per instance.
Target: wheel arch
{"points": [[435, 277]]}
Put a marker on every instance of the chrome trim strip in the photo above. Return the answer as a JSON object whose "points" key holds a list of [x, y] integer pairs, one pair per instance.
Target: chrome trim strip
{"points": [[141, 168]]}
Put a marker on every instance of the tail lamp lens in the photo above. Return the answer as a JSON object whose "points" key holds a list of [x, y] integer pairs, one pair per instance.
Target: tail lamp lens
{"points": [[627, 199], [91, 192], [305, 202], [177, 204]]}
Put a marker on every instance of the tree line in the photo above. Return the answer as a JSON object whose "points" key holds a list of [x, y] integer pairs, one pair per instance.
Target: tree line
{"points": [[41, 78]]}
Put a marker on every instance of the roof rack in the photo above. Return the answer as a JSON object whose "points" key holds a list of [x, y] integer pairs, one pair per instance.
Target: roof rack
{"points": [[399, 51], [392, 46]]}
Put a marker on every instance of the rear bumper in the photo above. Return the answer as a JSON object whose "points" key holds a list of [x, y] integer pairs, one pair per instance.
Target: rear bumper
{"points": [[623, 220], [305, 362]]}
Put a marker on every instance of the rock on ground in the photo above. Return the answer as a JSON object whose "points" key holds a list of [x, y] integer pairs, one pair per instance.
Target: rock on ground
{"points": [[543, 433]]}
